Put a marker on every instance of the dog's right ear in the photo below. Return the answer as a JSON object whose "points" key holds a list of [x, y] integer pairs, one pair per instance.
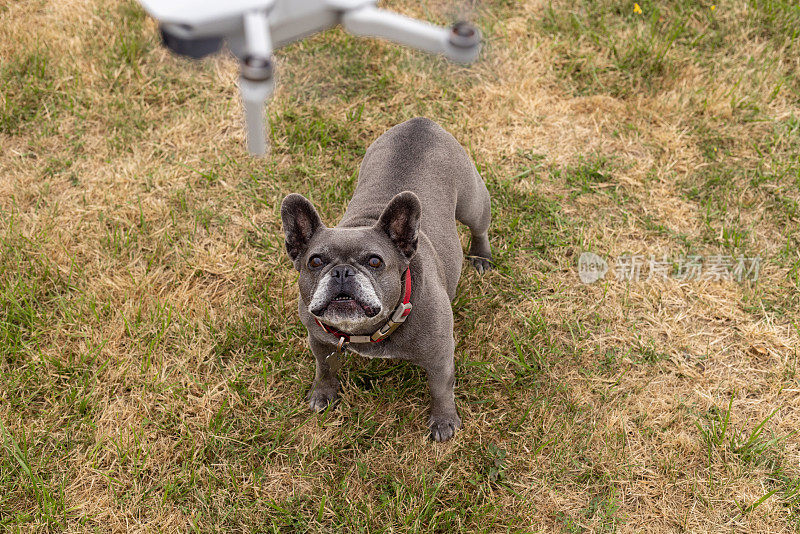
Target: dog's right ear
{"points": [[300, 223]]}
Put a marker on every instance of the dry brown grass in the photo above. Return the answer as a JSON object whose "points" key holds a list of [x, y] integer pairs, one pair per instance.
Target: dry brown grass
{"points": [[153, 368]]}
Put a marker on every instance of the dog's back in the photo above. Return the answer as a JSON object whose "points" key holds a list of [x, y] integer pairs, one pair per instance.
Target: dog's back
{"points": [[420, 156]]}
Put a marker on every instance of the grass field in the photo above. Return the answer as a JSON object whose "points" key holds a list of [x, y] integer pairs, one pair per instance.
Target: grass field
{"points": [[153, 368]]}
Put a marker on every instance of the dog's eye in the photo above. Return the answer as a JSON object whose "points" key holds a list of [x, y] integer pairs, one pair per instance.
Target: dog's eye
{"points": [[315, 262], [375, 262]]}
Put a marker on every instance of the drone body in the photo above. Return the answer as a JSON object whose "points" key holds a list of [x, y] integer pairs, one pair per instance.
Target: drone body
{"points": [[252, 29]]}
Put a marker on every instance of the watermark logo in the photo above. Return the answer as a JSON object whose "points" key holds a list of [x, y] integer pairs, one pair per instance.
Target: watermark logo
{"points": [[591, 267], [637, 268]]}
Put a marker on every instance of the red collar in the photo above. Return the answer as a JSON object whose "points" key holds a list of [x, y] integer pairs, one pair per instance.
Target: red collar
{"points": [[397, 318]]}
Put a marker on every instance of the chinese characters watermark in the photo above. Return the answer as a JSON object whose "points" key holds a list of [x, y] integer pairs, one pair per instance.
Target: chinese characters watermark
{"points": [[637, 267]]}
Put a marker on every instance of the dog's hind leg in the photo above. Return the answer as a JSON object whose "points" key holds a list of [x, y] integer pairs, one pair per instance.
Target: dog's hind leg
{"points": [[473, 208]]}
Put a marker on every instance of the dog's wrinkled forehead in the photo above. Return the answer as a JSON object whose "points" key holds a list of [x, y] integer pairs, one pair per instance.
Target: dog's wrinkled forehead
{"points": [[351, 244]]}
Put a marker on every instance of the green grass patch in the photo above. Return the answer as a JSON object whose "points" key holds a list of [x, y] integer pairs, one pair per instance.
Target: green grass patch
{"points": [[28, 83]]}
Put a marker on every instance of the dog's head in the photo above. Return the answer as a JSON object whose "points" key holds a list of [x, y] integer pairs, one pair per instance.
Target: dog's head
{"points": [[351, 278]]}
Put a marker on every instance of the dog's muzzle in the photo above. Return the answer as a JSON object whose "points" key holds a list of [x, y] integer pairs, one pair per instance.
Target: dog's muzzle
{"points": [[345, 290]]}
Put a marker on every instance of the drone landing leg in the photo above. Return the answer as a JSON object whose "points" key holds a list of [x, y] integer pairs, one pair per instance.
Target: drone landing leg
{"points": [[254, 97], [256, 82]]}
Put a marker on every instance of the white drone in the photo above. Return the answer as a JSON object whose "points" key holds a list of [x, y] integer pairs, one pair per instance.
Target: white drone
{"points": [[254, 28]]}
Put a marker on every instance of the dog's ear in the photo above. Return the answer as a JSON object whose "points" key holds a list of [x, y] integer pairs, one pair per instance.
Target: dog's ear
{"points": [[400, 221], [300, 223]]}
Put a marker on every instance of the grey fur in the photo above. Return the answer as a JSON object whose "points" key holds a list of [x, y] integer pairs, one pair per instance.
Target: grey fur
{"points": [[415, 182]]}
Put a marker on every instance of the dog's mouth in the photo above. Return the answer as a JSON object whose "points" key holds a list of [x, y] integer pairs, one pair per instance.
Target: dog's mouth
{"points": [[346, 304]]}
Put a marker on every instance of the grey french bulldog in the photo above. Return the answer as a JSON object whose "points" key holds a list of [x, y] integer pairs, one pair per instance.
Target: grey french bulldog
{"points": [[380, 283]]}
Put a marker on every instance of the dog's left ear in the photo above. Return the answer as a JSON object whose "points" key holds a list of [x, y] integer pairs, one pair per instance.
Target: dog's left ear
{"points": [[300, 223], [400, 221]]}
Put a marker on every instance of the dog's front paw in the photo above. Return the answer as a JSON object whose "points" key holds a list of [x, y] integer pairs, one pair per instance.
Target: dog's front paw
{"points": [[481, 265], [319, 398], [444, 426]]}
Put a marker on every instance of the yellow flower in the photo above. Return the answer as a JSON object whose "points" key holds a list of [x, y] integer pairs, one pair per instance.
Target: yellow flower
{"points": [[713, 7], [637, 9]]}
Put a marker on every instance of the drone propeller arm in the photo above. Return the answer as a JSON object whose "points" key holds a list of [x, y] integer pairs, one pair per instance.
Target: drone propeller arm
{"points": [[460, 43]]}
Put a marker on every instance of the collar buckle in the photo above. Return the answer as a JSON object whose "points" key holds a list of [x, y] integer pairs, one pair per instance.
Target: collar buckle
{"points": [[398, 317], [402, 311]]}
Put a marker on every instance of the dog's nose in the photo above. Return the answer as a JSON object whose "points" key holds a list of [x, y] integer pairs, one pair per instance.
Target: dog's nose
{"points": [[342, 272]]}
